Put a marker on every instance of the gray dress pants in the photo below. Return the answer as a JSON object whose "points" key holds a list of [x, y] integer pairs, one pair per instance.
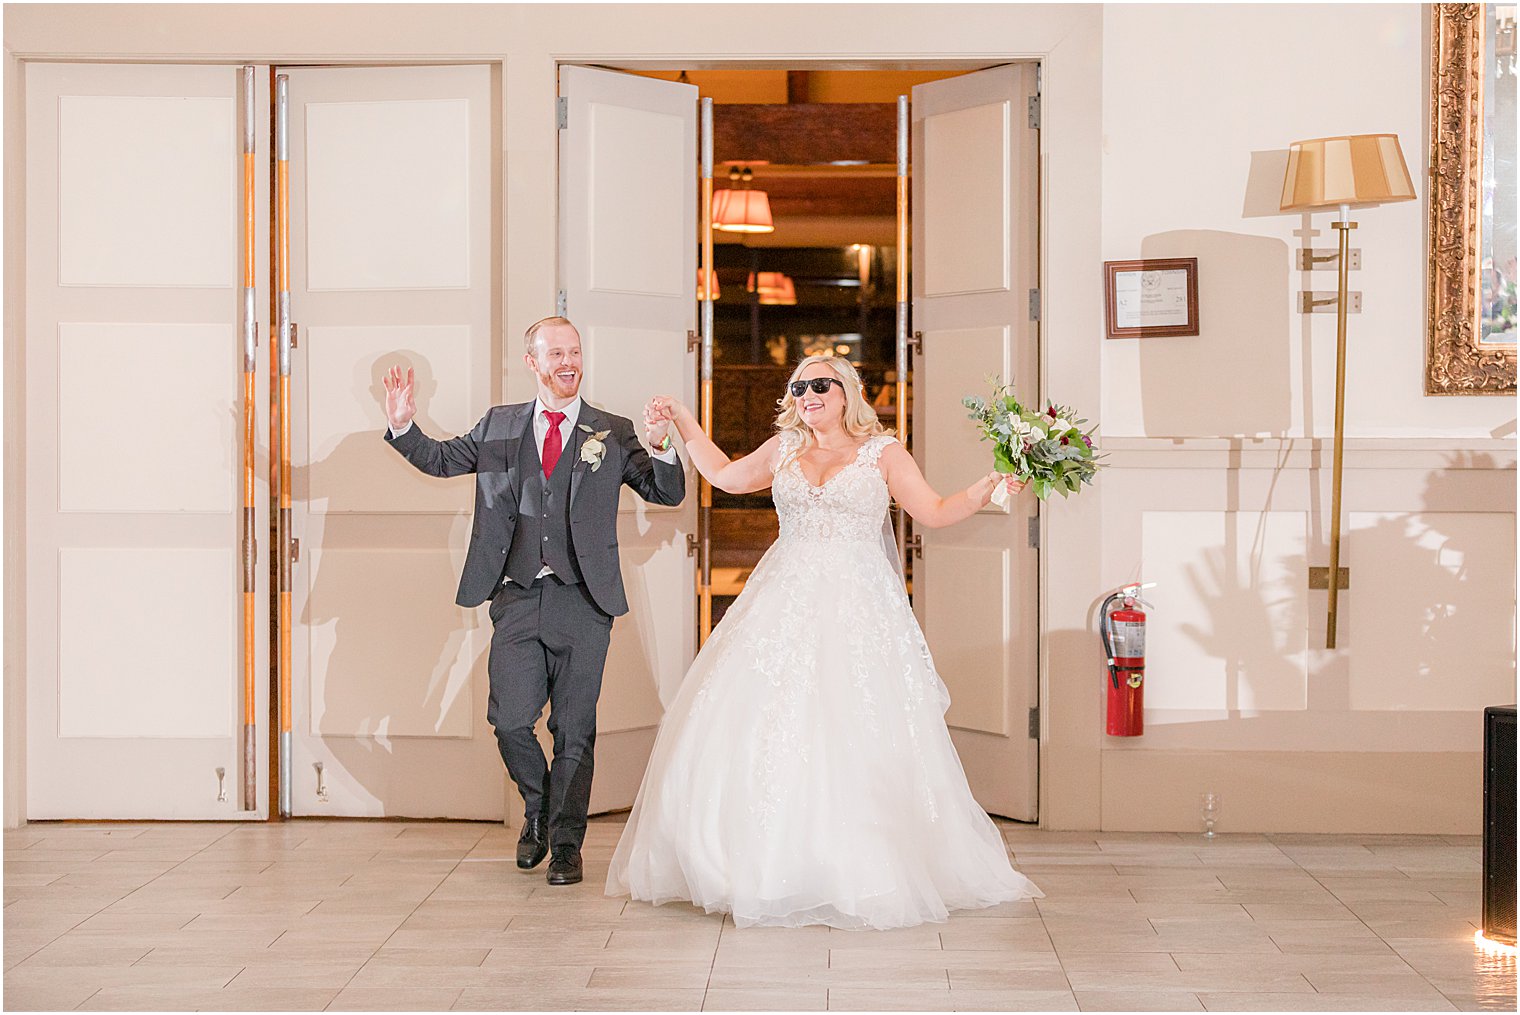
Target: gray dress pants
{"points": [[548, 645]]}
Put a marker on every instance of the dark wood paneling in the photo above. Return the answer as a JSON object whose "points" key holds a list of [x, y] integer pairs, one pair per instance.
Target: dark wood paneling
{"points": [[806, 134]]}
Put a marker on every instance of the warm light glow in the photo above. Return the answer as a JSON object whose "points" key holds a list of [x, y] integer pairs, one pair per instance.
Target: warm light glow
{"points": [[1493, 947], [702, 286], [742, 211], [768, 283], [784, 296]]}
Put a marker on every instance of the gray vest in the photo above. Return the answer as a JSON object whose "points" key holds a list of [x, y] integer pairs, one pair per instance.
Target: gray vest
{"points": [[543, 517]]}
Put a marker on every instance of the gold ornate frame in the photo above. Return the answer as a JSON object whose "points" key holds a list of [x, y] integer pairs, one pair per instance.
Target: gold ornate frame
{"points": [[1455, 364]]}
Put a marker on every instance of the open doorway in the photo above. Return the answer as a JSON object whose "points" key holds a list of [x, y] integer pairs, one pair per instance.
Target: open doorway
{"points": [[828, 272], [821, 146]]}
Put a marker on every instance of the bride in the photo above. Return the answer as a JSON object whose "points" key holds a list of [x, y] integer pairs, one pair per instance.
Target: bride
{"points": [[804, 773]]}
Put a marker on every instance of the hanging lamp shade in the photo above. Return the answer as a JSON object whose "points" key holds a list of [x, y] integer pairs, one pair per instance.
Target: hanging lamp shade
{"points": [[766, 283], [784, 294], [742, 211], [1352, 169], [717, 289]]}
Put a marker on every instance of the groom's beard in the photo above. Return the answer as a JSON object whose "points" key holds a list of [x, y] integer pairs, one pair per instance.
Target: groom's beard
{"points": [[561, 387]]}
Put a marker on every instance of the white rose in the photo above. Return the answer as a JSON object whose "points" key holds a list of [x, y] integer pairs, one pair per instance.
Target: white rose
{"points": [[592, 451]]}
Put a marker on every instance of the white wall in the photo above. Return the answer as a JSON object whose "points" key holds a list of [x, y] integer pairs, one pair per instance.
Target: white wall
{"points": [[1200, 103], [1243, 697]]}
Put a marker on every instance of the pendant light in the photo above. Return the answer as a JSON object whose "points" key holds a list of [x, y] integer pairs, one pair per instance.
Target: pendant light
{"points": [[740, 209]]}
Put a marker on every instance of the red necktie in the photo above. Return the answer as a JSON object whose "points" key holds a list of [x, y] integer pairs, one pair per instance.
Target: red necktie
{"points": [[553, 442]]}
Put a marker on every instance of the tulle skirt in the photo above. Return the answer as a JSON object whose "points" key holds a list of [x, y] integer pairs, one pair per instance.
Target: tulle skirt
{"points": [[803, 773]]}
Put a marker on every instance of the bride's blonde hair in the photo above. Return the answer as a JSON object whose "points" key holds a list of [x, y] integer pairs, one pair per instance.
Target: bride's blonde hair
{"points": [[860, 420]]}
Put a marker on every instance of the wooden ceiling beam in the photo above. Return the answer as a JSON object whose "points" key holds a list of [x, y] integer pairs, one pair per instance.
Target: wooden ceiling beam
{"points": [[796, 86], [803, 134]]}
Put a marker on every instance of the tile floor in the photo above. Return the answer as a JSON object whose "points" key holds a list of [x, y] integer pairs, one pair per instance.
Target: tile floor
{"points": [[435, 916]]}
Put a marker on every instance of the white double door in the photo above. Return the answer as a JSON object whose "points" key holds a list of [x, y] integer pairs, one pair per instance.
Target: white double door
{"points": [[393, 210], [136, 618]]}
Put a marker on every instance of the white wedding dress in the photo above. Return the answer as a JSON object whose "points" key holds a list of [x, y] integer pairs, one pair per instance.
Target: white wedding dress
{"points": [[803, 773]]}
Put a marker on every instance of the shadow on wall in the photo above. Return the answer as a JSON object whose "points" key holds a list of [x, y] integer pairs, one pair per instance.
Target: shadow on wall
{"points": [[1444, 639], [634, 650], [394, 638], [1231, 379]]}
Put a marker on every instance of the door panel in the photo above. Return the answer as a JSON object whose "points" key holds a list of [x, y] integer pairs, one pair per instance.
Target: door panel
{"points": [[391, 212], [134, 444], [628, 235], [975, 200]]}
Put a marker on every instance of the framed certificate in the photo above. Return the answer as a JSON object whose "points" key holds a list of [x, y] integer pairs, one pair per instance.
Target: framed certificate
{"points": [[1151, 298]]}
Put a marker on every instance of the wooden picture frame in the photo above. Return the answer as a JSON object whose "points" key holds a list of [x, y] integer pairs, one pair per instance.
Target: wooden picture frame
{"points": [[1457, 361], [1172, 312]]}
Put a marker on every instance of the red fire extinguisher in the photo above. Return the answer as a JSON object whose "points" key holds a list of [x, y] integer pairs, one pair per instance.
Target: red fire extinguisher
{"points": [[1122, 625]]}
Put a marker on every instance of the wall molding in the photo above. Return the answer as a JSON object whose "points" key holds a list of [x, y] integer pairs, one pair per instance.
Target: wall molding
{"points": [[1422, 453]]}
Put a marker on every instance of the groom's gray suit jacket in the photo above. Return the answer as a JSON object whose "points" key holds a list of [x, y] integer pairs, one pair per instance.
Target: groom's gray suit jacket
{"points": [[493, 451]]}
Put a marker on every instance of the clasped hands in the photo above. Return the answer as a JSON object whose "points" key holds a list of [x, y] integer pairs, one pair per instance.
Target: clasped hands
{"points": [[659, 413]]}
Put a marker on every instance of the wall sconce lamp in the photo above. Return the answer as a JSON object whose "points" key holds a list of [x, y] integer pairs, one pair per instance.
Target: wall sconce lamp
{"points": [[1332, 172]]}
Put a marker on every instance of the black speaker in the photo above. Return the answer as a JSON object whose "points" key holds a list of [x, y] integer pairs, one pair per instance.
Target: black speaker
{"points": [[1499, 823]]}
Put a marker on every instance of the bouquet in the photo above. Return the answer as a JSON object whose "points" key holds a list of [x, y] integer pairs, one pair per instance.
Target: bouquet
{"points": [[1046, 449]]}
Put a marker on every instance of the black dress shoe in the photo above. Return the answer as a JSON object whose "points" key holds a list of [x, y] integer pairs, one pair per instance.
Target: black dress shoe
{"points": [[533, 845], [565, 865]]}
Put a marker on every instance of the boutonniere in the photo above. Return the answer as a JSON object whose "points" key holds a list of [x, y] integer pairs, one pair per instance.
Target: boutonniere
{"points": [[593, 449]]}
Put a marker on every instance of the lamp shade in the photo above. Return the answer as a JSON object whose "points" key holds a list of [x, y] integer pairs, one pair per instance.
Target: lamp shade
{"points": [[767, 283], [784, 295], [1354, 169], [717, 290], [742, 211]]}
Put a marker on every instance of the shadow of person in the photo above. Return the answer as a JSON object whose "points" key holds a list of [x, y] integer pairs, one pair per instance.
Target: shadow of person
{"points": [[394, 664], [1250, 629], [1433, 575]]}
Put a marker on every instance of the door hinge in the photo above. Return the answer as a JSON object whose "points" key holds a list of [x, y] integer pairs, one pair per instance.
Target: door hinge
{"points": [[561, 303], [1034, 112], [562, 112], [1034, 531], [916, 343], [916, 546], [693, 341], [295, 335], [691, 545], [1034, 304], [1034, 723], [295, 551]]}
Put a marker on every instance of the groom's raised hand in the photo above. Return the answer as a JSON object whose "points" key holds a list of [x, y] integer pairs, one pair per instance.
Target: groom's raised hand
{"points": [[400, 403]]}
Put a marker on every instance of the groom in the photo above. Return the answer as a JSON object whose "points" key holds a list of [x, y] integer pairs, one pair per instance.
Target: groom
{"points": [[543, 550]]}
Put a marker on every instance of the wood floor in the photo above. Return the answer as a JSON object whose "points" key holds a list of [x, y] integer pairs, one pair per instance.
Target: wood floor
{"points": [[434, 916]]}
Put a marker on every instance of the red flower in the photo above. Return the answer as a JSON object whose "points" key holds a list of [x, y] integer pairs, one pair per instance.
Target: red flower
{"points": [[1051, 412]]}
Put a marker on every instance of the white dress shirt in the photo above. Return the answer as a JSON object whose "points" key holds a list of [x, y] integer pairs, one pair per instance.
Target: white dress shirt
{"points": [[566, 429]]}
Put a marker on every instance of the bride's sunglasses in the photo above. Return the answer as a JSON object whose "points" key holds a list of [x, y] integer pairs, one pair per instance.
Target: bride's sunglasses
{"points": [[820, 386]]}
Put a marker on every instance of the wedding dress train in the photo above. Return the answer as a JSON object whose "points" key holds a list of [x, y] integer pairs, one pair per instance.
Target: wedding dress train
{"points": [[803, 773]]}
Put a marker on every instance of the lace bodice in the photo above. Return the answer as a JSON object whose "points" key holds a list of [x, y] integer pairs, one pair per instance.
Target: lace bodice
{"points": [[849, 506]]}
